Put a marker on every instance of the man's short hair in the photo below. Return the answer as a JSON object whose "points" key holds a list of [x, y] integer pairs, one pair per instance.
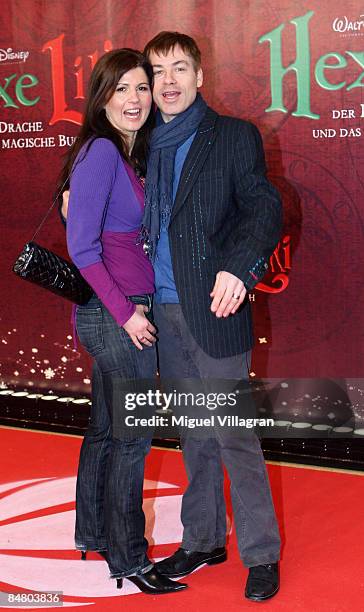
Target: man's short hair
{"points": [[163, 42]]}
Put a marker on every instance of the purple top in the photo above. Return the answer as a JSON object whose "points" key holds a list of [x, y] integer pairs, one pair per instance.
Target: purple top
{"points": [[104, 216]]}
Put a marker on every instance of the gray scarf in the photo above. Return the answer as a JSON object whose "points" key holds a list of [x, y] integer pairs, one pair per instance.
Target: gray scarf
{"points": [[165, 140]]}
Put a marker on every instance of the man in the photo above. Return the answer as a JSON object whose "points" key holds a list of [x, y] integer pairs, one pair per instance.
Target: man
{"points": [[213, 221]]}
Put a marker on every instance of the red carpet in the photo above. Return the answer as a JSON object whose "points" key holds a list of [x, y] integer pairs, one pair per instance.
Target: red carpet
{"points": [[320, 514]]}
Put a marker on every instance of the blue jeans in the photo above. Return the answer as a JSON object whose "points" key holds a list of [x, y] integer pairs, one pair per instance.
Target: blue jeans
{"points": [[109, 492]]}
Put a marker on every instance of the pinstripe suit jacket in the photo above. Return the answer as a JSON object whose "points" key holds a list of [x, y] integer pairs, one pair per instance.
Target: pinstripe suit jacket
{"points": [[226, 216]]}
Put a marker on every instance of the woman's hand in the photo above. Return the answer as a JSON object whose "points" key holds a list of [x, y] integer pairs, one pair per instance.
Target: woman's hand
{"points": [[140, 330]]}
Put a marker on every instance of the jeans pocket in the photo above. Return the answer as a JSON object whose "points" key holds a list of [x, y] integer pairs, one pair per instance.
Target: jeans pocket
{"points": [[89, 329]]}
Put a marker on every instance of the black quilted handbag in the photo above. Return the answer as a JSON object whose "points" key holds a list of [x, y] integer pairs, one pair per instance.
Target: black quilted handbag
{"points": [[42, 267], [46, 269]]}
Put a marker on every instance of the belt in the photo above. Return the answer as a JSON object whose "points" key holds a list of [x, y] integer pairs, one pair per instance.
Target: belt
{"points": [[145, 300]]}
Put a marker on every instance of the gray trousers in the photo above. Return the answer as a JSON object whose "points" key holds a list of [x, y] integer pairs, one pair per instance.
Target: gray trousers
{"points": [[203, 511]]}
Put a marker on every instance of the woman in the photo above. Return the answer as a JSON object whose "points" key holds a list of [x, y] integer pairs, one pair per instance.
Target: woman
{"points": [[103, 222]]}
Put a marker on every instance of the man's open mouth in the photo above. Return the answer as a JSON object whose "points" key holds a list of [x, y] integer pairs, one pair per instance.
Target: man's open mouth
{"points": [[171, 95]]}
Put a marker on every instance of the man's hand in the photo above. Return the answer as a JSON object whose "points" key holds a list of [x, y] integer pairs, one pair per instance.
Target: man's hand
{"points": [[228, 293], [65, 199], [140, 330]]}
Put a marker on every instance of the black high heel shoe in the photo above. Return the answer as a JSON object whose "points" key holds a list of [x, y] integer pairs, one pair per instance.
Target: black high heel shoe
{"points": [[153, 582]]}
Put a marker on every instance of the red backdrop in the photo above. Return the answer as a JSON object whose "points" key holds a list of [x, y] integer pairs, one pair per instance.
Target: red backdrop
{"points": [[308, 309]]}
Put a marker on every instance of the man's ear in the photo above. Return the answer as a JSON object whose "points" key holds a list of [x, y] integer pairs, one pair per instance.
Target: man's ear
{"points": [[199, 77]]}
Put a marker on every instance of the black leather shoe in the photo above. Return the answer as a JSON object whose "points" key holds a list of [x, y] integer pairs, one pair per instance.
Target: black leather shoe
{"points": [[263, 582], [153, 582], [183, 561]]}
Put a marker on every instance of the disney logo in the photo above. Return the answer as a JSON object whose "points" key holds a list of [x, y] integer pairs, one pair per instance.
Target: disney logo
{"points": [[9, 54], [343, 24]]}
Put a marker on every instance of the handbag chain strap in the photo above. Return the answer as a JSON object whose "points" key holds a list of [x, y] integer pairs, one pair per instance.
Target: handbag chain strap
{"points": [[50, 208], [56, 199]]}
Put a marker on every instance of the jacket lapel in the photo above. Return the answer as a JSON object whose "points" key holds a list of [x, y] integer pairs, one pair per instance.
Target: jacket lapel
{"points": [[195, 159]]}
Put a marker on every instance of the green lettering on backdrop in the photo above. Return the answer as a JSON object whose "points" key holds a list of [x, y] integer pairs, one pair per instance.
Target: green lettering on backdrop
{"points": [[4, 94], [321, 66], [24, 82], [20, 85], [358, 56], [301, 66]]}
